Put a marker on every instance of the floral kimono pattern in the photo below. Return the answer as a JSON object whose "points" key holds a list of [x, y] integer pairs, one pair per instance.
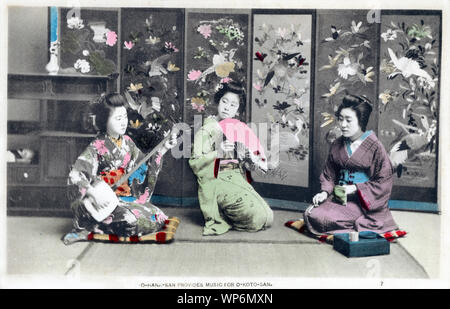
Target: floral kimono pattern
{"points": [[367, 209], [134, 215], [227, 200]]}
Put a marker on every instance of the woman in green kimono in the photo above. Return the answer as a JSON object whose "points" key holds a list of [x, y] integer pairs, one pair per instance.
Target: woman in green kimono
{"points": [[111, 154], [227, 200]]}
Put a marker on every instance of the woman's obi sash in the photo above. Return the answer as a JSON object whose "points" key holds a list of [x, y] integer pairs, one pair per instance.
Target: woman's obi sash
{"points": [[347, 177]]}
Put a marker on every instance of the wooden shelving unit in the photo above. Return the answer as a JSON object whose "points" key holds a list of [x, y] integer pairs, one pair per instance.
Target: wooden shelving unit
{"points": [[40, 187]]}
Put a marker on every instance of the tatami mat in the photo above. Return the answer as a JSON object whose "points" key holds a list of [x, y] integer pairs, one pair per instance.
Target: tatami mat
{"points": [[191, 228], [34, 248], [244, 260]]}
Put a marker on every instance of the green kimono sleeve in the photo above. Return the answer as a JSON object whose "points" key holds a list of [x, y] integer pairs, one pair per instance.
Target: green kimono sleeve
{"points": [[204, 153], [202, 163]]}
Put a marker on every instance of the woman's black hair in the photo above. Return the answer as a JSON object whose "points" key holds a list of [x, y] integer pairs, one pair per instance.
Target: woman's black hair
{"points": [[361, 105], [103, 108], [234, 87]]}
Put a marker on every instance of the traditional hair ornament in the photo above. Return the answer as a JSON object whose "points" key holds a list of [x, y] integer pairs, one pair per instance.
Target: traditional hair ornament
{"points": [[361, 98], [100, 99], [366, 99], [219, 86]]}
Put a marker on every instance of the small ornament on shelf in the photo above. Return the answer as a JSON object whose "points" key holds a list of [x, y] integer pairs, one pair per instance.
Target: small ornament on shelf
{"points": [[52, 66], [22, 155]]}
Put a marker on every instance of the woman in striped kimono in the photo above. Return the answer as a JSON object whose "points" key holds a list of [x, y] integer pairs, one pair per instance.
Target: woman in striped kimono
{"points": [[356, 182]]}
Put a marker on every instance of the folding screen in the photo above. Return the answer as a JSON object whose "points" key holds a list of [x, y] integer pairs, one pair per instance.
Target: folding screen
{"points": [[217, 47], [152, 79], [281, 99], [347, 53], [296, 65], [409, 100], [216, 51], [88, 41]]}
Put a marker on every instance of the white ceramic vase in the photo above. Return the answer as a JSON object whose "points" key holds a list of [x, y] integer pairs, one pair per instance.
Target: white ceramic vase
{"points": [[52, 66]]}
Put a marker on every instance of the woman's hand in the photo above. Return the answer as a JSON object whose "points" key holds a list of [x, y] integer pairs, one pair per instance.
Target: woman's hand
{"points": [[350, 189], [260, 163], [319, 198], [170, 143], [227, 146]]}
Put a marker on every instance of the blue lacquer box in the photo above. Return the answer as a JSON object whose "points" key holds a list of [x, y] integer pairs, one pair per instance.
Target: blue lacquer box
{"points": [[369, 244]]}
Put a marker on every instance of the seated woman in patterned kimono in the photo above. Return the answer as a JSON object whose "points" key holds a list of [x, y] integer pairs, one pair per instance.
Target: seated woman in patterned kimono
{"points": [[356, 182], [227, 200], [110, 155]]}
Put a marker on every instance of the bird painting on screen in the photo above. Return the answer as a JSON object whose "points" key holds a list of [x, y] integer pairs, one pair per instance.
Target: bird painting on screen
{"points": [[289, 140], [156, 65], [412, 142], [407, 67]]}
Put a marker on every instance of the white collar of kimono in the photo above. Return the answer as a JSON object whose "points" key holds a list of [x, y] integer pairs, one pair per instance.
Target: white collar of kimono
{"points": [[352, 146]]}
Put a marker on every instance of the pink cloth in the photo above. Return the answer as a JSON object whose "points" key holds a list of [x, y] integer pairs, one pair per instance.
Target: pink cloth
{"points": [[100, 146], [158, 158], [126, 160], [222, 162], [143, 198]]}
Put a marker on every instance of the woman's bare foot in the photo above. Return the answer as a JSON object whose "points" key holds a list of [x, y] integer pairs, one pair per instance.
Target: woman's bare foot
{"points": [[74, 237]]}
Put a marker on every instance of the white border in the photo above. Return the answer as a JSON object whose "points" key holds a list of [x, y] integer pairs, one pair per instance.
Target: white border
{"points": [[288, 283]]}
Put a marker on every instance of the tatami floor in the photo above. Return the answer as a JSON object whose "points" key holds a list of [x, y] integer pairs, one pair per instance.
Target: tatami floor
{"points": [[34, 249]]}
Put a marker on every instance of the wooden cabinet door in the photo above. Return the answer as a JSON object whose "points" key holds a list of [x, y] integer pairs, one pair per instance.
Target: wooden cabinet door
{"points": [[58, 154]]}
